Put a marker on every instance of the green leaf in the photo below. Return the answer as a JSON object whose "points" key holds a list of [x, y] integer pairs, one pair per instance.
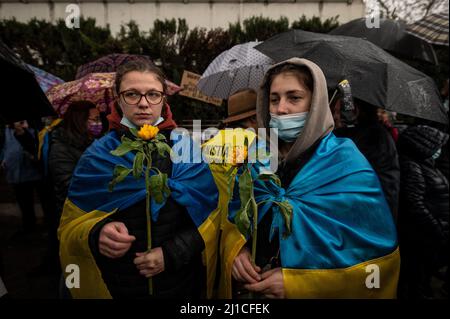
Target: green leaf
{"points": [[149, 148], [156, 188], [245, 212], [126, 139], [231, 171], [119, 174], [134, 131], [122, 149], [166, 189], [287, 212], [242, 219], [245, 186], [230, 185], [162, 148], [270, 176], [138, 165], [137, 145], [160, 137]]}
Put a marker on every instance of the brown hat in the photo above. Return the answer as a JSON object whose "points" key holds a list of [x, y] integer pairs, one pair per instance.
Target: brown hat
{"points": [[241, 105]]}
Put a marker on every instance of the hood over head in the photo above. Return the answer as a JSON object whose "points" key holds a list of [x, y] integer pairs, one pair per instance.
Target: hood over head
{"points": [[421, 141], [319, 122]]}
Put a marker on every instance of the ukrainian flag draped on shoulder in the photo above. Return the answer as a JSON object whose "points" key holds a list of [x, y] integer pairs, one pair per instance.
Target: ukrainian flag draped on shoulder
{"points": [[341, 224], [89, 201], [218, 151]]}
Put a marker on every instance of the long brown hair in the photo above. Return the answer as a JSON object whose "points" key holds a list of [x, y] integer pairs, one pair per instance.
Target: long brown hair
{"points": [[75, 119]]}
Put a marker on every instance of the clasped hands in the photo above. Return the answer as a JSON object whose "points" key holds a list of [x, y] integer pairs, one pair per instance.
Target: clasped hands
{"points": [[114, 242], [269, 283]]}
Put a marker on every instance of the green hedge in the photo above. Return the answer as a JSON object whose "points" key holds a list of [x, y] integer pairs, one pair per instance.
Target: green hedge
{"points": [[170, 43]]}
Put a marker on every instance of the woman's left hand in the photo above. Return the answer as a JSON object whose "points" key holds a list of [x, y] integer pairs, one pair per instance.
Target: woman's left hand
{"points": [[151, 263], [271, 285]]}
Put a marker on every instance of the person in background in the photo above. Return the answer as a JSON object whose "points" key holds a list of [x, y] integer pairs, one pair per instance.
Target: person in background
{"points": [[22, 170], [386, 118], [442, 162], [67, 141], [242, 110], [81, 124], [424, 210], [376, 143]]}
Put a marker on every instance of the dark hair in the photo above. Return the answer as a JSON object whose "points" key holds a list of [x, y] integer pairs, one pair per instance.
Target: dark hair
{"points": [[367, 113], [302, 73], [76, 118], [139, 66]]}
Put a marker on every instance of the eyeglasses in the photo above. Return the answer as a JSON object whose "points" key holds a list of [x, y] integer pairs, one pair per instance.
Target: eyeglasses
{"points": [[133, 97]]}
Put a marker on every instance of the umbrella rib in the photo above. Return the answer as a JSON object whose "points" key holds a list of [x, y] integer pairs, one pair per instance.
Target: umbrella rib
{"points": [[249, 76], [218, 82]]}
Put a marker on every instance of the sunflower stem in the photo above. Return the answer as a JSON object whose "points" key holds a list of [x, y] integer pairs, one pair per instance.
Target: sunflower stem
{"points": [[255, 231], [149, 220]]}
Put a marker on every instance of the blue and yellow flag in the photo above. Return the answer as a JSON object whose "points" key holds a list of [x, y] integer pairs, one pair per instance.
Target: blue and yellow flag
{"points": [[44, 143], [342, 228], [89, 201]]}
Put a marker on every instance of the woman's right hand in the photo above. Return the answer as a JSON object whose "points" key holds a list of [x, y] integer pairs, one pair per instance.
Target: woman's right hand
{"points": [[114, 240], [243, 269]]}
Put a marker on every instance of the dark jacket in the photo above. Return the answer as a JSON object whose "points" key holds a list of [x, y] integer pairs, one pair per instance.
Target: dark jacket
{"points": [[174, 232], [64, 152], [377, 145], [424, 196], [19, 156]]}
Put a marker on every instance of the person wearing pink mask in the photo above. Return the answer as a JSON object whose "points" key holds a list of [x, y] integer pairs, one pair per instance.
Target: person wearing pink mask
{"points": [[80, 126]]}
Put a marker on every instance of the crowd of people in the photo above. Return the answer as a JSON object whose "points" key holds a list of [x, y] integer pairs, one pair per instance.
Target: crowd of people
{"points": [[360, 191]]}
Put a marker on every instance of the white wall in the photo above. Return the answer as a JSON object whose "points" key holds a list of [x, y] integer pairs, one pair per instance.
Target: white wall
{"points": [[196, 14]]}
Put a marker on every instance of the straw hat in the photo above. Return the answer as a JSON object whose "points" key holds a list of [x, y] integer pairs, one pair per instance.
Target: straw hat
{"points": [[241, 105]]}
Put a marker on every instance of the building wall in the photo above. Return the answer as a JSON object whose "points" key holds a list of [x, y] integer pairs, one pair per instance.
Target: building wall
{"points": [[208, 14]]}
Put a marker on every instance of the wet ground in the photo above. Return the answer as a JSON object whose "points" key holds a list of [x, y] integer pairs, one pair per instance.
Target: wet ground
{"points": [[25, 270]]}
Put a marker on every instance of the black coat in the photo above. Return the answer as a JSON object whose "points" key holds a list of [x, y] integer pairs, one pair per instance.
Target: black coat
{"points": [[174, 232], [424, 196], [64, 152], [377, 145]]}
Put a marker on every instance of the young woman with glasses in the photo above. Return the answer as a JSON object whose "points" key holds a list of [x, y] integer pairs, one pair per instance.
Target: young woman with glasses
{"points": [[105, 233]]}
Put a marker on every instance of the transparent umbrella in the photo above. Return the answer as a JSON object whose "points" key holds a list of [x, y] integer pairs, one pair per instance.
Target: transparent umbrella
{"points": [[238, 68]]}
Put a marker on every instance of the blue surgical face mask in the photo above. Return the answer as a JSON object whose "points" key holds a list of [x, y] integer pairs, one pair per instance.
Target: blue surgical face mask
{"points": [[437, 154], [289, 126]]}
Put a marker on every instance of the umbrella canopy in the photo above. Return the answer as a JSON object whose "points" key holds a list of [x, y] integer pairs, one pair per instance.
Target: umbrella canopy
{"points": [[376, 77], [390, 36], [94, 87], [45, 79], [22, 97], [238, 68], [432, 28], [111, 62]]}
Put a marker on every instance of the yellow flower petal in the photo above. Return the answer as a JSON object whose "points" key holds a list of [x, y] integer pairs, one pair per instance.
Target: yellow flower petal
{"points": [[148, 132]]}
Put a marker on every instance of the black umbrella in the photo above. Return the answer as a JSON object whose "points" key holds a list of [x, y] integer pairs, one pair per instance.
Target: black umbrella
{"points": [[376, 77], [21, 96], [390, 36]]}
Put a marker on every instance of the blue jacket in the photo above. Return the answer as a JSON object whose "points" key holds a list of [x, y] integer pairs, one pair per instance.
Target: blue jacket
{"points": [[18, 163]]}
